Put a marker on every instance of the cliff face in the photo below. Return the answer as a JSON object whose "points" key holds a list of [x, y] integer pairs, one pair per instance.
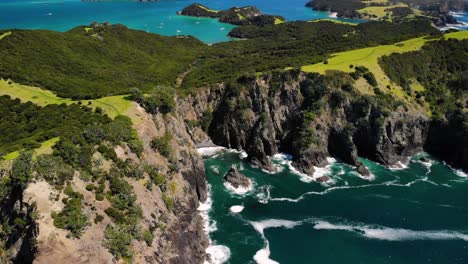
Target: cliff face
{"points": [[309, 116], [278, 113]]}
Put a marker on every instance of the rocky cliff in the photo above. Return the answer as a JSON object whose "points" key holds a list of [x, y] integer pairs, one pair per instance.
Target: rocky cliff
{"points": [[313, 117]]}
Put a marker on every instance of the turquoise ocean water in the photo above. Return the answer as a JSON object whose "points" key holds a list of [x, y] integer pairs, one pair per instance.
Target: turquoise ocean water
{"points": [[418, 214], [156, 17]]}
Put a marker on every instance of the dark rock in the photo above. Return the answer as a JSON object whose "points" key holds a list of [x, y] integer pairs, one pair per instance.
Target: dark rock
{"points": [[323, 179], [423, 159], [361, 169], [236, 179]]}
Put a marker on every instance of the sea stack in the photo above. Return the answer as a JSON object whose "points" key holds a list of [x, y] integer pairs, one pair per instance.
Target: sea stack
{"points": [[236, 179]]}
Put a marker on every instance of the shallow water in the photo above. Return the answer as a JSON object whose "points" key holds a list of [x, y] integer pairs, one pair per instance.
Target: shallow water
{"points": [[414, 215], [156, 17]]}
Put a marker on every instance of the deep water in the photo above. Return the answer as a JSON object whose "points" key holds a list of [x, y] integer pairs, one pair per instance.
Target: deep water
{"points": [[418, 214], [156, 17]]}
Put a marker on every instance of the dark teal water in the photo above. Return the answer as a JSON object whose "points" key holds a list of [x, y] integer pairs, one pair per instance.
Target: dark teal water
{"points": [[156, 17], [414, 215]]}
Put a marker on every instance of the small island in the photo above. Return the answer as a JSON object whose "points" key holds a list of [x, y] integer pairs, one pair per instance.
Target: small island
{"points": [[241, 16]]}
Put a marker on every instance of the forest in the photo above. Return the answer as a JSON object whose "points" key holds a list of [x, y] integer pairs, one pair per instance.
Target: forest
{"points": [[95, 61]]}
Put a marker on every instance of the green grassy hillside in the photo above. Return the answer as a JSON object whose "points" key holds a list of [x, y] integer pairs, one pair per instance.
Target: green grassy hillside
{"points": [[94, 62]]}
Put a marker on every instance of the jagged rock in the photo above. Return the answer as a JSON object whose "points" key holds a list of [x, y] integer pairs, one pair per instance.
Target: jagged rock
{"points": [[323, 179], [236, 179], [361, 169]]}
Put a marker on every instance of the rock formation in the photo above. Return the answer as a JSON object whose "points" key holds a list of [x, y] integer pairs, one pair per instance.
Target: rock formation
{"points": [[236, 179]]}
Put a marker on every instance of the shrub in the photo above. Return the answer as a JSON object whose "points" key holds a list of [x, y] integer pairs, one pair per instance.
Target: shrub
{"points": [[148, 237], [118, 240], [162, 144]]}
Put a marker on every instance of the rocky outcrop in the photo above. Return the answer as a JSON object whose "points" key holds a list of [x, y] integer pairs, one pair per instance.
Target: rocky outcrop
{"points": [[275, 113], [236, 179], [248, 15]]}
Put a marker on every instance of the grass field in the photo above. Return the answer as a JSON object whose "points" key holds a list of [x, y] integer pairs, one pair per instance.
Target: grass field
{"points": [[45, 148], [112, 105], [334, 21], [5, 34], [369, 57], [379, 11]]}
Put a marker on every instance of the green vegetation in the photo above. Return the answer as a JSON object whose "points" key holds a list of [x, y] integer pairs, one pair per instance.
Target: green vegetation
{"points": [[293, 45], [16, 217], [440, 67], [71, 217], [76, 65], [369, 57], [111, 105], [162, 145], [248, 15], [3, 35], [160, 100]]}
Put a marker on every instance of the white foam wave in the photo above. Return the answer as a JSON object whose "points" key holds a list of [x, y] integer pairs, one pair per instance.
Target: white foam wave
{"points": [[392, 234], [263, 255], [218, 254], [460, 173], [333, 15], [240, 190], [286, 160], [215, 169], [210, 151], [236, 209], [399, 166]]}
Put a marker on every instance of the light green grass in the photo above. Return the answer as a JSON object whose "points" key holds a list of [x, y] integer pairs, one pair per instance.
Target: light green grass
{"points": [[5, 34], [112, 105], [334, 21], [209, 10], [278, 21], [87, 29], [45, 148], [375, 1], [379, 11], [369, 57]]}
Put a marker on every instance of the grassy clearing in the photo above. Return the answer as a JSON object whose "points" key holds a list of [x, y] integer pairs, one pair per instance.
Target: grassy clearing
{"points": [[5, 34], [278, 21], [369, 57], [207, 9], [87, 29], [334, 21], [112, 105], [45, 148], [378, 12], [375, 1]]}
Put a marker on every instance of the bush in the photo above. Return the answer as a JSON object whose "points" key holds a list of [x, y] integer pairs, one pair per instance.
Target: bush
{"points": [[162, 144], [118, 240], [71, 217], [148, 237], [168, 201]]}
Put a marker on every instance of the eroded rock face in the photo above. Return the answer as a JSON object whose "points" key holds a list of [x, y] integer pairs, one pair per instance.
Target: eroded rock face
{"points": [[236, 179], [265, 115]]}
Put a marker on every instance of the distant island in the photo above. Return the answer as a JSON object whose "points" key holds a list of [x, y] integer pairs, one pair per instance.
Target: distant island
{"points": [[241, 16], [391, 10]]}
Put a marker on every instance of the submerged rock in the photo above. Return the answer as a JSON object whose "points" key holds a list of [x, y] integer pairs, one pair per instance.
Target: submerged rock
{"points": [[236, 179], [323, 179]]}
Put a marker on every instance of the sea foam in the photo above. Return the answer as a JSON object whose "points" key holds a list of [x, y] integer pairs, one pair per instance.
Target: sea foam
{"points": [[392, 234], [263, 255], [218, 254], [236, 209]]}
